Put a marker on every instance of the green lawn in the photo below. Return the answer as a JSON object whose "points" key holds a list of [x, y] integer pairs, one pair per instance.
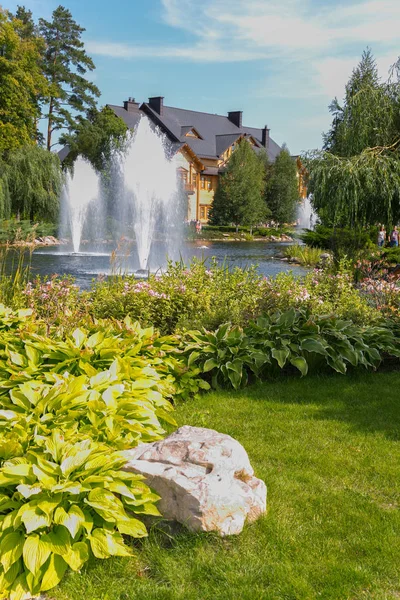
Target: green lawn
{"points": [[328, 449]]}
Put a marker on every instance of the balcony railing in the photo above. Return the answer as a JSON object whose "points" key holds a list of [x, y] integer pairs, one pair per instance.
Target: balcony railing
{"points": [[190, 187]]}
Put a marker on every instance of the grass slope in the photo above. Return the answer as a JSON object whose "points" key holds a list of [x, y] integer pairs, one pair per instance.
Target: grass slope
{"points": [[328, 449]]}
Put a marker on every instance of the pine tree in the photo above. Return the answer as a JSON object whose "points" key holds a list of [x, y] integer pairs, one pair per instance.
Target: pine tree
{"points": [[27, 29], [282, 191], [65, 65], [239, 196]]}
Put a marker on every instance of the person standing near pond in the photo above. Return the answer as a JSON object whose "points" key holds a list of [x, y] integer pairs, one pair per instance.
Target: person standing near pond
{"points": [[394, 237], [381, 236]]}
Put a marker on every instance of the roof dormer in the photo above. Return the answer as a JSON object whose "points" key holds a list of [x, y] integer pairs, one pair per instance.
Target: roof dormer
{"points": [[191, 132]]}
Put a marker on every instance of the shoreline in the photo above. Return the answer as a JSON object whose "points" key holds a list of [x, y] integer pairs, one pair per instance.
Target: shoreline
{"points": [[49, 241]]}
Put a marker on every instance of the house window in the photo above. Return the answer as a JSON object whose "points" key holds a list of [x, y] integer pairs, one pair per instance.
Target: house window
{"points": [[184, 175], [193, 177], [205, 212], [206, 183]]}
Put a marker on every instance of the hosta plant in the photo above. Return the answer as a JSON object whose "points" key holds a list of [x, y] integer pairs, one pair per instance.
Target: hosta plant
{"points": [[141, 353], [60, 503], [294, 338]]}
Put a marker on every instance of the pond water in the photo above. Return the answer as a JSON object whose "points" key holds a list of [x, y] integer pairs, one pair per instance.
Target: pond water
{"points": [[86, 266]]}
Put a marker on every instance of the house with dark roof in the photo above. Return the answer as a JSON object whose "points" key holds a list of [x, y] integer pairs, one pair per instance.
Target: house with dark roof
{"points": [[202, 142]]}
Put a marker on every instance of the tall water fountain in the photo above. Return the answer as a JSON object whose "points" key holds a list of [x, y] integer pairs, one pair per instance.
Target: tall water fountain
{"points": [[80, 191], [142, 195], [305, 214], [150, 178]]}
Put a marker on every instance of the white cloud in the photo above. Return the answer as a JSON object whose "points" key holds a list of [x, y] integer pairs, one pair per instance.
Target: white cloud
{"points": [[201, 52], [242, 30], [311, 48]]}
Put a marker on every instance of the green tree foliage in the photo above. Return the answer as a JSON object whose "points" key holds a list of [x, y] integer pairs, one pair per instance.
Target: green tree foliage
{"points": [[368, 115], [21, 83], [27, 28], [5, 201], [65, 65], [239, 196], [31, 184], [282, 191], [355, 179], [95, 137]]}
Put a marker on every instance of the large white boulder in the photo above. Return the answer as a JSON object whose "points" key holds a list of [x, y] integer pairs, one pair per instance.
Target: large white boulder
{"points": [[204, 478]]}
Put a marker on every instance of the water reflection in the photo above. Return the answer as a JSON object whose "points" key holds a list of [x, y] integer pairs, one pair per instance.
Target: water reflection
{"points": [[86, 266]]}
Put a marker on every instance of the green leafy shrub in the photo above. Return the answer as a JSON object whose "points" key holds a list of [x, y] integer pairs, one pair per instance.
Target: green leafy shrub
{"points": [[202, 295], [60, 503], [322, 293], [391, 255], [69, 408], [57, 300], [342, 242], [294, 338]]}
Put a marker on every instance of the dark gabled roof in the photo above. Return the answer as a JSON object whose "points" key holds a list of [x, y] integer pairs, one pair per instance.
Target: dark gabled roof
{"points": [[224, 141], [217, 131], [131, 118], [186, 129], [63, 153]]}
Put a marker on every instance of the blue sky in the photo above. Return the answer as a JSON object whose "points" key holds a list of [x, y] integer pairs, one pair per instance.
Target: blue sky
{"points": [[279, 61]]}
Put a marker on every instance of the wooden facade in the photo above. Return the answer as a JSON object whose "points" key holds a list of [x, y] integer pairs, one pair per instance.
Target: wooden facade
{"points": [[203, 144]]}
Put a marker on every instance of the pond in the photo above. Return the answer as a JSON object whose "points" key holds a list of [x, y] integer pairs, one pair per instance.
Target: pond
{"points": [[86, 266]]}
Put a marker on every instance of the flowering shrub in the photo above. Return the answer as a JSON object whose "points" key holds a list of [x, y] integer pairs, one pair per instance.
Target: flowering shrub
{"points": [[206, 296], [379, 284], [382, 295], [56, 300], [322, 293], [182, 297]]}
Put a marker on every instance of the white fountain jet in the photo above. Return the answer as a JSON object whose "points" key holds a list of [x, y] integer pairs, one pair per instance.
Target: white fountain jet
{"points": [[152, 178], [305, 215], [81, 188]]}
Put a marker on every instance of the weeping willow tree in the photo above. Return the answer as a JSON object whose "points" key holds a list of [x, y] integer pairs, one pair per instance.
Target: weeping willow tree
{"points": [[30, 184], [355, 179], [359, 190]]}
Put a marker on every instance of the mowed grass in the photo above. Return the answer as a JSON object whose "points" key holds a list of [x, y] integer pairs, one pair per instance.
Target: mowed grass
{"points": [[328, 449]]}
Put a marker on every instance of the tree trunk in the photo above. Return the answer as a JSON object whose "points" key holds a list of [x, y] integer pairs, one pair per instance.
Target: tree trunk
{"points": [[237, 227], [49, 125]]}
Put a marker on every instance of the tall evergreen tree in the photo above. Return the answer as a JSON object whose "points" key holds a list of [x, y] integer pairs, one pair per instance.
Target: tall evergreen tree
{"points": [[355, 180], [66, 64], [239, 196], [366, 118], [282, 190], [27, 28]]}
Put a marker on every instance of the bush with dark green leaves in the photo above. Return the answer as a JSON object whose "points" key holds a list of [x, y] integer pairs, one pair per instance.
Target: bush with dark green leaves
{"points": [[293, 339], [342, 242]]}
